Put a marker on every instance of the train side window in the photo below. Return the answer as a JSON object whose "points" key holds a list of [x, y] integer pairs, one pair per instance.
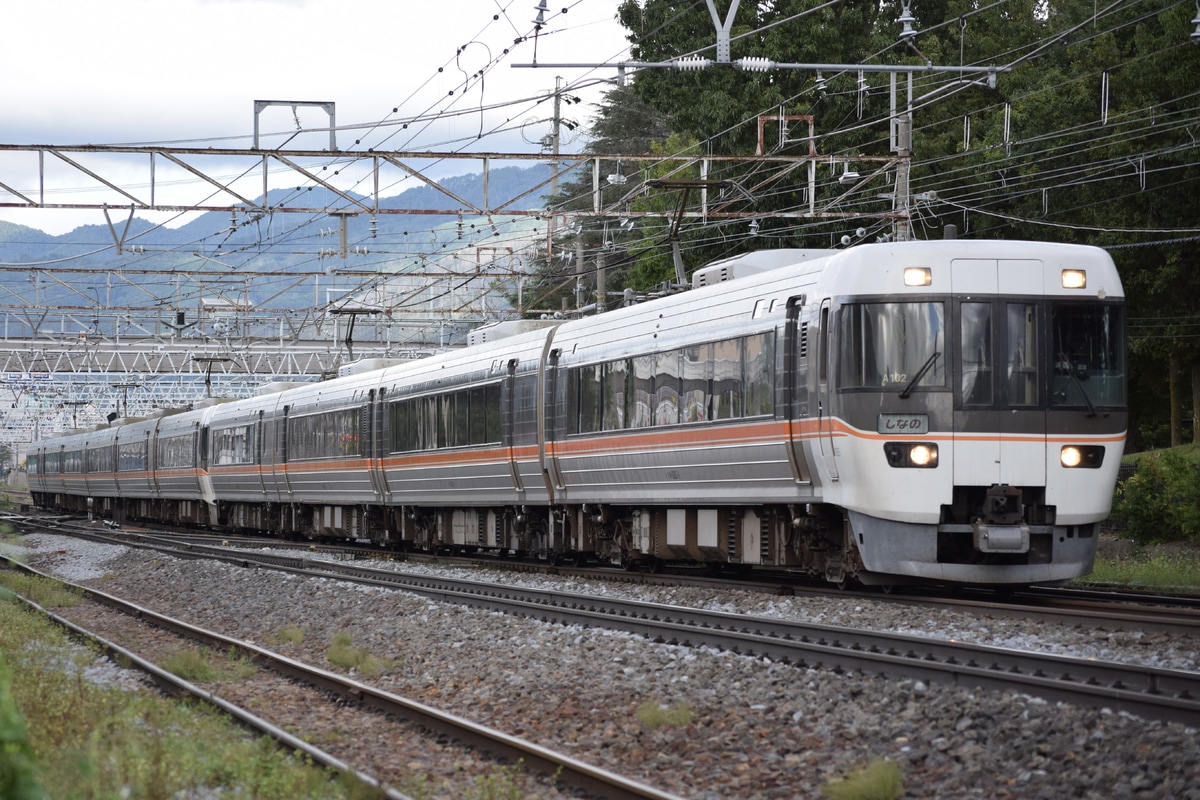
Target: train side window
{"points": [[585, 405], [131, 457], [666, 388], [758, 359], [727, 379], [525, 415], [99, 459], [175, 452], [642, 415], [696, 374], [615, 393], [399, 426], [975, 354]]}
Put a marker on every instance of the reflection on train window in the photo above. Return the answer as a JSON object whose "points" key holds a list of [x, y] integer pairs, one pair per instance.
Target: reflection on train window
{"points": [[894, 346], [73, 461], [233, 445], [175, 452], [643, 392], [100, 459], [463, 418], [33, 465], [975, 354], [1089, 358], [131, 457], [332, 434], [715, 381]]}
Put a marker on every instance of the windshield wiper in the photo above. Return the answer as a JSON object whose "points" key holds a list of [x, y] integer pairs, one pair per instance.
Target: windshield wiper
{"points": [[1078, 384], [920, 374]]}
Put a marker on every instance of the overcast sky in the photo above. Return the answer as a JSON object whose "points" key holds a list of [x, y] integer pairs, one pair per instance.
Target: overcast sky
{"points": [[187, 72]]}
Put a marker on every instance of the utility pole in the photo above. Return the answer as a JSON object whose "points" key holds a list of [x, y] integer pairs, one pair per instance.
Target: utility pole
{"points": [[901, 136]]}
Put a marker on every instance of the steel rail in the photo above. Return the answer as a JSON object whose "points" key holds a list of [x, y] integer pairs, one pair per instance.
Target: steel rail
{"points": [[1150, 692], [176, 686], [564, 768]]}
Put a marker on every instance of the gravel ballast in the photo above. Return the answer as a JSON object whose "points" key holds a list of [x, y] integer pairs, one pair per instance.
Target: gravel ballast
{"points": [[758, 729]]}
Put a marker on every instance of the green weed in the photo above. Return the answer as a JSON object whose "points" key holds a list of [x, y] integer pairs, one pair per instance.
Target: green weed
{"points": [[45, 592], [197, 664], [654, 715], [342, 653], [95, 741], [880, 780], [292, 634]]}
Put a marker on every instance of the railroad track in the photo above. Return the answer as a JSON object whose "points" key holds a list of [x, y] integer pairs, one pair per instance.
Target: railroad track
{"points": [[408, 715], [1147, 691], [1109, 609]]}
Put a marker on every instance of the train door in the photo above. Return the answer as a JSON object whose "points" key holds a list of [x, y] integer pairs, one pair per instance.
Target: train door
{"points": [[152, 457], [284, 479], [795, 376], [998, 402], [259, 447], [376, 439], [548, 417], [508, 427], [825, 430]]}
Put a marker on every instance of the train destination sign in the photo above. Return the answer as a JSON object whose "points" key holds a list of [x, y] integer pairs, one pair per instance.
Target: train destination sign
{"points": [[902, 423]]}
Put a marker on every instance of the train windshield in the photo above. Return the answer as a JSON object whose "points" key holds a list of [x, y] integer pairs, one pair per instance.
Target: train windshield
{"points": [[1089, 355], [894, 346]]}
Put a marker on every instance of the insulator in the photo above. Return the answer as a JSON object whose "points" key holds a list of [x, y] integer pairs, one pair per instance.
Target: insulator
{"points": [[692, 63], [755, 64]]}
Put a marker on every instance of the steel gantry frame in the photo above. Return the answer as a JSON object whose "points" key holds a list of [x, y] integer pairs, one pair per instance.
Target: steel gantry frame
{"points": [[97, 360]]}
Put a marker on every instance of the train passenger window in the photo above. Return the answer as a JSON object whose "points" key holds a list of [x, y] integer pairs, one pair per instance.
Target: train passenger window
{"points": [[1022, 354], [232, 445], [615, 393], [1089, 355], [33, 465], [175, 452], [975, 354], [696, 374], [584, 405], [641, 413], [328, 435], [525, 422], [891, 345], [758, 358], [100, 459], [727, 380], [490, 412], [73, 461], [131, 457], [666, 388], [400, 426]]}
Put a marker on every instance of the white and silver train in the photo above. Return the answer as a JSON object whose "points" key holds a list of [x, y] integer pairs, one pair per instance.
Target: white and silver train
{"points": [[950, 411]]}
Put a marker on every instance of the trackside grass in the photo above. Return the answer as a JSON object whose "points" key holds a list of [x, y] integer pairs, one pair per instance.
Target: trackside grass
{"points": [[66, 737]]}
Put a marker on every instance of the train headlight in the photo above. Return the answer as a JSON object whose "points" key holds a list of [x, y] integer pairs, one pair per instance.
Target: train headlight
{"points": [[918, 276], [1083, 456], [1074, 279], [911, 454]]}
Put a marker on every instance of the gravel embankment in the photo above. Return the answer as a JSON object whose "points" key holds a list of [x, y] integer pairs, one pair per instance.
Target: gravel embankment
{"points": [[758, 730]]}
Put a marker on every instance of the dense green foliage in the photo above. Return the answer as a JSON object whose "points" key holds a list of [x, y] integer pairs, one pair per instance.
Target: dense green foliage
{"points": [[1160, 502]]}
